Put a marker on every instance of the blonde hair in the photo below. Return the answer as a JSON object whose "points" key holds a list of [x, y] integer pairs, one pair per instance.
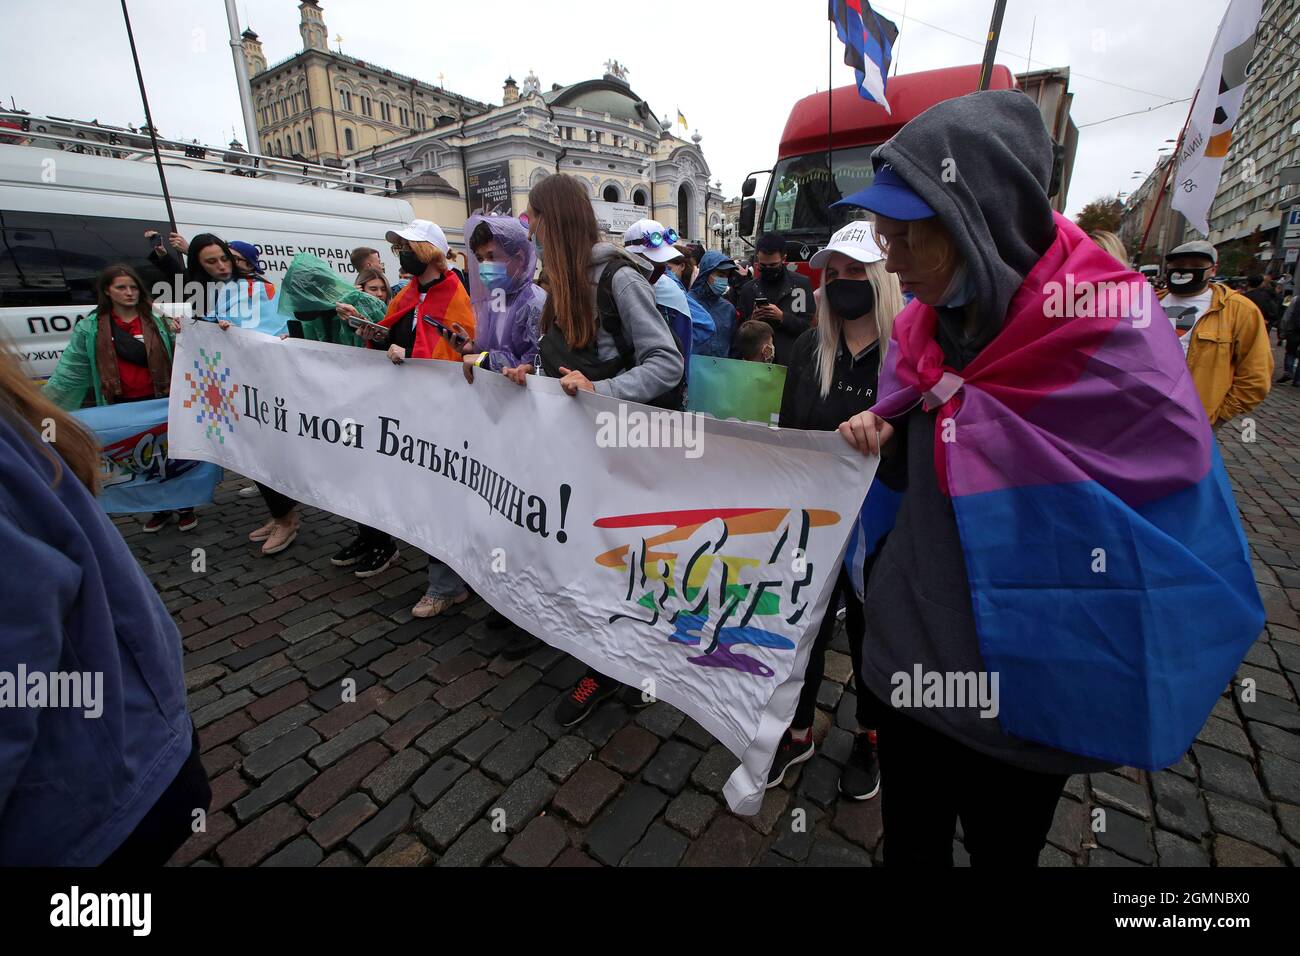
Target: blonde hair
{"points": [[930, 243], [889, 302], [1109, 242]]}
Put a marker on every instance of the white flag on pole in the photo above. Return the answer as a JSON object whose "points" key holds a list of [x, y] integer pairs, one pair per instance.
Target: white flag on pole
{"points": [[1218, 102]]}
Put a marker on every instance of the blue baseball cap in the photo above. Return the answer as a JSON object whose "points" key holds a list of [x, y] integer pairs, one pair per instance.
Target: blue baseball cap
{"points": [[889, 196]]}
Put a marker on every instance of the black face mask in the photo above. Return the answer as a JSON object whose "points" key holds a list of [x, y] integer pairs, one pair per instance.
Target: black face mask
{"points": [[411, 263], [850, 299], [1192, 280], [772, 274]]}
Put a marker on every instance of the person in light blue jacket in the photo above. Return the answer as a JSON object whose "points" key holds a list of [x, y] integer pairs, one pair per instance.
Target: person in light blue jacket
{"points": [[709, 289], [99, 760]]}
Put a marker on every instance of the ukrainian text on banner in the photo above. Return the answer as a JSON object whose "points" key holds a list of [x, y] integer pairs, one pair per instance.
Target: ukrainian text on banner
{"points": [[695, 572], [136, 473]]}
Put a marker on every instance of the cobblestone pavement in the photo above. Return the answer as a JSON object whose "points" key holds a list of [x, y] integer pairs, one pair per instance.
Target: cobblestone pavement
{"points": [[446, 737]]}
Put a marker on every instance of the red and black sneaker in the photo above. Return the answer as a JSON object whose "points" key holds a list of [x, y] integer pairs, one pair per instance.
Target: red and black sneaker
{"points": [[156, 522], [186, 519], [584, 697], [788, 753]]}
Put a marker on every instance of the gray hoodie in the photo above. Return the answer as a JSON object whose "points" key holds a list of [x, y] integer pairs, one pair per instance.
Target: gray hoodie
{"points": [[658, 364], [918, 602]]}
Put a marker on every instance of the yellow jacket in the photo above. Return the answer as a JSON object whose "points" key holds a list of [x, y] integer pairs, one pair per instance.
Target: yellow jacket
{"points": [[1229, 355]]}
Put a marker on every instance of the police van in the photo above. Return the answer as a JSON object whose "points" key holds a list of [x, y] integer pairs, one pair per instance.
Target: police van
{"points": [[64, 216]]}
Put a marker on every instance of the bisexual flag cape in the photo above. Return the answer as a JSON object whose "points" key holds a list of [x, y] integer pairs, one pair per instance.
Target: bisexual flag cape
{"points": [[1110, 581], [135, 473], [875, 521]]}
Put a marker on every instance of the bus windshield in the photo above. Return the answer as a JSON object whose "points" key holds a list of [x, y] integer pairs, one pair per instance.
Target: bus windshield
{"points": [[800, 191]]}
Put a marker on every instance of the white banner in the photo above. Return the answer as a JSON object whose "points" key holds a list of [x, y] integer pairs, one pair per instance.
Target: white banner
{"points": [[686, 557], [1218, 101]]}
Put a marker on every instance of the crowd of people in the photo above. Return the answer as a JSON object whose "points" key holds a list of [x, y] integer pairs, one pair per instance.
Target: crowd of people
{"points": [[623, 321]]}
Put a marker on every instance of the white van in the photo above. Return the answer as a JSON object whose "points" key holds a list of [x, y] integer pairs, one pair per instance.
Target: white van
{"points": [[64, 216]]}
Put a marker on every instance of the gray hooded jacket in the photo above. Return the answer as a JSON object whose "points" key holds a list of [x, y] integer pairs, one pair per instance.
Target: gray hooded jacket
{"points": [[658, 364], [918, 602]]}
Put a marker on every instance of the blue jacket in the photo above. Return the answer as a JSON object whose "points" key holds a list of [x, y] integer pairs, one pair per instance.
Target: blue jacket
{"points": [[670, 297], [73, 599], [701, 321], [721, 310]]}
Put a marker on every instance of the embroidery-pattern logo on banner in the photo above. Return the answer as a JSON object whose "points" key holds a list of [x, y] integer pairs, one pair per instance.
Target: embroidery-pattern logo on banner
{"points": [[215, 400]]}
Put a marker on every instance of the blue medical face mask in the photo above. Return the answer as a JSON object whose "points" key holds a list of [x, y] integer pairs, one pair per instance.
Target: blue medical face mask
{"points": [[961, 288], [493, 274], [719, 285]]}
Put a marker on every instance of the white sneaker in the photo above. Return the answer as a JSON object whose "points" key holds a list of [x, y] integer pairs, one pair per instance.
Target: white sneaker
{"points": [[249, 492]]}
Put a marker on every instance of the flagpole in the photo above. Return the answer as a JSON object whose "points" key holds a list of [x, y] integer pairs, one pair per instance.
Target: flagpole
{"points": [[1169, 168], [830, 106], [148, 118], [991, 46]]}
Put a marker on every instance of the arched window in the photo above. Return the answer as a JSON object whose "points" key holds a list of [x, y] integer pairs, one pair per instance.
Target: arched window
{"points": [[639, 197], [311, 138], [684, 225], [300, 141], [610, 193], [347, 140], [279, 148]]}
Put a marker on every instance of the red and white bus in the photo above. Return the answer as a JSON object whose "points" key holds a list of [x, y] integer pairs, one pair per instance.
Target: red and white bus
{"points": [[800, 190]]}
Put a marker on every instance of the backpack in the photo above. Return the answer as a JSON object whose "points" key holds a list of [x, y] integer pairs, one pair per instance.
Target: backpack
{"points": [[611, 322], [553, 353]]}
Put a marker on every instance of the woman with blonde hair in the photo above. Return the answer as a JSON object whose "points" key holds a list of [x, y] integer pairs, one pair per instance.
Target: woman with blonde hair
{"points": [[833, 374]]}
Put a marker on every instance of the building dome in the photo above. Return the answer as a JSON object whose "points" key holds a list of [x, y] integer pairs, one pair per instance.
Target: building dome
{"points": [[429, 182], [602, 96]]}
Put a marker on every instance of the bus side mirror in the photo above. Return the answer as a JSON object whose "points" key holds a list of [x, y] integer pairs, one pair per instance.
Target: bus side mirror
{"points": [[748, 207], [747, 189]]}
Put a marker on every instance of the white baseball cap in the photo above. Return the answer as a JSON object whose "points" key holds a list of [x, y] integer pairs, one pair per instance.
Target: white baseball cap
{"points": [[639, 239], [420, 230], [855, 241]]}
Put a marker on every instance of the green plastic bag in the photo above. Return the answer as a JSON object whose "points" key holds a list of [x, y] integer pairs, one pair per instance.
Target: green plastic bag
{"points": [[312, 285]]}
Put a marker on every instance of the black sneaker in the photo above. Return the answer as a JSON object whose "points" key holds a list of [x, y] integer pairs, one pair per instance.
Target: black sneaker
{"points": [[351, 554], [584, 697], [376, 561], [496, 621], [861, 777], [637, 699], [520, 645], [788, 753]]}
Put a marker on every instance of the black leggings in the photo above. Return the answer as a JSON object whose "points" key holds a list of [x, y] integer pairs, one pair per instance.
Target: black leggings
{"points": [[929, 780], [373, 537], [169, 822], [279, 505], [812, 678]]}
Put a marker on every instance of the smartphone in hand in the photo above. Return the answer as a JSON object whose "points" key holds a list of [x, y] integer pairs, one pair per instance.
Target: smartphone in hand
{"points": [[370, 331]]}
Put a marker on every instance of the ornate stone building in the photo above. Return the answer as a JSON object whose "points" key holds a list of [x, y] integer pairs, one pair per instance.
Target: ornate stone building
{"points": [[323, 106], [454, 155], [598, 131]]}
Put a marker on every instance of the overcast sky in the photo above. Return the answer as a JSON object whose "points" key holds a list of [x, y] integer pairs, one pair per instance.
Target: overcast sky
{"points": [[734, 69]]}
